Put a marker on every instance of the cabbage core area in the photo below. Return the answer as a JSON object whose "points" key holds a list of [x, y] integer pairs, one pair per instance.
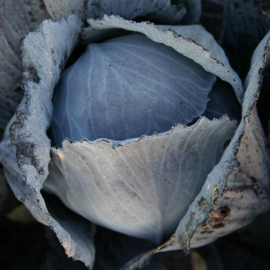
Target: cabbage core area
{"points": [[127, 87]]}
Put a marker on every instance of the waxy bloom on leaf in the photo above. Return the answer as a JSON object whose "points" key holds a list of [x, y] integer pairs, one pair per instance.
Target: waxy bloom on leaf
{"points": [[140, 127]]}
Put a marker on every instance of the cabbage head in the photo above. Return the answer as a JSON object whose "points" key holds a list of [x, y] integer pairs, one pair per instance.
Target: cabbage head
{"points": [[135, 118]]}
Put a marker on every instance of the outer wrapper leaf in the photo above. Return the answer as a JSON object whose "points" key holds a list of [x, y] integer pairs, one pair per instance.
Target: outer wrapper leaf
{"points": [[191, 41], [247, 248], [244, 27], [44, 54], [161, 11], [140, 188], [17, 18], [236, 190]]}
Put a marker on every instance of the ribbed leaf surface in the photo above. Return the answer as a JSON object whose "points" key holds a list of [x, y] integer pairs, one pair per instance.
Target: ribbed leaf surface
{"points": [[26, 160], [128, 87], [142, 188], [17, 18], [192, 41]]}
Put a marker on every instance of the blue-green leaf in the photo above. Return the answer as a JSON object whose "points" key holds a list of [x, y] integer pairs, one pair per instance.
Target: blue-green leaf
{"points": [[128, 87], [192, 41], [142, 188], [26, 158]]}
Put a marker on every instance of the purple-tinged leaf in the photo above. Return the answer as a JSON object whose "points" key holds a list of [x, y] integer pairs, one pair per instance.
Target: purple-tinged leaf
{"points": [[26, 160], [192, 41], [244, 27], [17, 18], [128, 87], [161, 11], [141, 188], [236, 190]]}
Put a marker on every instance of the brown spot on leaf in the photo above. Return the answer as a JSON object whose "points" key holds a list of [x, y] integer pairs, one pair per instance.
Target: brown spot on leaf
{"points": [[33, 74], [207, 232], [218, 225], [221, 212], [201, 201]]}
